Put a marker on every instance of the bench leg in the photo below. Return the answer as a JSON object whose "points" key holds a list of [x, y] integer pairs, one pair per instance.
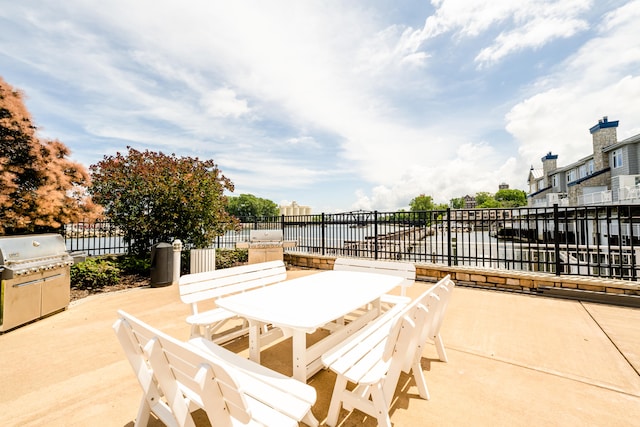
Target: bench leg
{"points": [[380, 405], [299, 343], [421, 383], [254, 341], [442, 354], [336, 401], [144, 412], [195, 332], [310, 420]]}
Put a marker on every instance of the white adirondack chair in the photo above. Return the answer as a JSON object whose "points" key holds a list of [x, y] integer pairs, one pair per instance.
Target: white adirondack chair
{"points": [[443, 291], [405, 270], [374, 357], [198, 288], [232, 390], [153, 400]]}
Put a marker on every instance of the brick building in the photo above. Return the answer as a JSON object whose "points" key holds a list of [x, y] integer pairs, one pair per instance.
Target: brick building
{"points": [[610, 175]]}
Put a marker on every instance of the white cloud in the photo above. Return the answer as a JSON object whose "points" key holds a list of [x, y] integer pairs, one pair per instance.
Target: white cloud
{"points": [[529, 23], [295, 96], [600, 79], [533, 34], [224, 103]]}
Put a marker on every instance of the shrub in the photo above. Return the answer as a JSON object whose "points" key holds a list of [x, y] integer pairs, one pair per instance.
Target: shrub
{"points": [[94, 273], [131, 264], [231, 257]]}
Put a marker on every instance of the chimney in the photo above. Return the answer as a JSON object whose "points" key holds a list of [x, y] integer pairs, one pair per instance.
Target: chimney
{"points": [[549, 164], [603, 135]]}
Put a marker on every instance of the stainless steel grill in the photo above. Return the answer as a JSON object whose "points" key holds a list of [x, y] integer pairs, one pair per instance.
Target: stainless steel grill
{"points": [[35, 278], [266, 245]]}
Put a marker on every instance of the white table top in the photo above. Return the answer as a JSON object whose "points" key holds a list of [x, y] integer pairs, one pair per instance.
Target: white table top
{"points": [[309, 302]]}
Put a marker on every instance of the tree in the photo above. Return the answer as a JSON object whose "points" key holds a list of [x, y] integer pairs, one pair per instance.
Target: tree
{"points": [[457, 203], [510, 198], [422, 203], [486, 200], [40, 188], [154, 197], [250, 206]]}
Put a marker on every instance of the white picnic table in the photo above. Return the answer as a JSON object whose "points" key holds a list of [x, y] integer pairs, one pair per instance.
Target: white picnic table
{"points": [[303, 305]]}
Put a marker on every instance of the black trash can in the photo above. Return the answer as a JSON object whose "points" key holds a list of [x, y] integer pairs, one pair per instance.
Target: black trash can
{"points": [[161, 265]]}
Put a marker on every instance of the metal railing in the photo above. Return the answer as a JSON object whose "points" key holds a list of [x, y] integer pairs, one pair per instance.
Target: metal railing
{"points": [[600, 241]]}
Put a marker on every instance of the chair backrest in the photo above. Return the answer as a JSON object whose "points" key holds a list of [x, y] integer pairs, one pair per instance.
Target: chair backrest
{"points": [[186, 375], [214, 284], [405, 340], [418, 316], [426, 311], [443, 291], [133, 344], [406, 270]]}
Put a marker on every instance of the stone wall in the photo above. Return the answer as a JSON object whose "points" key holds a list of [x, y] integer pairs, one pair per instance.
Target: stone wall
{"points": [[531, 282]]}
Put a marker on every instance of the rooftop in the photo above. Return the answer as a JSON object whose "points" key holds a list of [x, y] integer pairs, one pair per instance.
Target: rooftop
{"points": [[514, 360]]}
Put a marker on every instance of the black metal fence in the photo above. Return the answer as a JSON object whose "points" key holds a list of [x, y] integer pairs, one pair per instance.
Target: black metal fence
{"points": [[600, 241]]}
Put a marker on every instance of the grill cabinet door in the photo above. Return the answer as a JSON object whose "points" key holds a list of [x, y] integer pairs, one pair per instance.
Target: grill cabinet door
{"points": [[20, 301], [56, 290]]}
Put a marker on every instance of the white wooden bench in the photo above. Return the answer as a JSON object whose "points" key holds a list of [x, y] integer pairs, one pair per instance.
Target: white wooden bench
{"points": [[199, 288], [405, 270], [152, 397], [231, 390], [374, 357]]}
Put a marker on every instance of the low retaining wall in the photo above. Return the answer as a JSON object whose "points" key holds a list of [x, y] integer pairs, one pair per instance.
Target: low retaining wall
{"points": [[579, 287]]}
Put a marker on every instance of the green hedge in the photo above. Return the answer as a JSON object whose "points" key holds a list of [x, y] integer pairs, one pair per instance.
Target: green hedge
{"points": [[94, 273]]}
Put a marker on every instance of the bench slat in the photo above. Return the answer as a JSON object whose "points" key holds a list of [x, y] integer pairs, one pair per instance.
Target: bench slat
{"points": [[405, 270]]}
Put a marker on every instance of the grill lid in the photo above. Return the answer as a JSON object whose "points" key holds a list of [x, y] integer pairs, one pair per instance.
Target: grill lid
{"points": [[260, 236], [32, 253]]}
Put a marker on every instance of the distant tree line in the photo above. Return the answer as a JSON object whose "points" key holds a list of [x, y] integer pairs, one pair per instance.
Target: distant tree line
{"points": [[505, 198]]}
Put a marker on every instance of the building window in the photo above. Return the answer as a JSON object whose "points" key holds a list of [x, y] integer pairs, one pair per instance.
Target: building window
{"points": [[554, 181], [582, 171], [590, 167], [571, 175], [617, 158]]}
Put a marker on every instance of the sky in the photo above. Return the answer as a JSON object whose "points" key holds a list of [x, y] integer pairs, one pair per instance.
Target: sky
{"points": [[340, 106]]}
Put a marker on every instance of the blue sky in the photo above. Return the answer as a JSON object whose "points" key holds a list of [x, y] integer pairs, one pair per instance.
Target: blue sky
{"points": [[336, 105]]}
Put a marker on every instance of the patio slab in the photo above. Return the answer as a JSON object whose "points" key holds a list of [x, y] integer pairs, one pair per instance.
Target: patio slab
{"points": [[514, 360]]}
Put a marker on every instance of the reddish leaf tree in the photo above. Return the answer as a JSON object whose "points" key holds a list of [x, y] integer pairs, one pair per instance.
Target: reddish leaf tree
{"points": [[40, 188], [154, 197]]}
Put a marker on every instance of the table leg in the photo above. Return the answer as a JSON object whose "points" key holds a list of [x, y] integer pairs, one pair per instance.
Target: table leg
{"points": [[299, 355], [254, 340]]}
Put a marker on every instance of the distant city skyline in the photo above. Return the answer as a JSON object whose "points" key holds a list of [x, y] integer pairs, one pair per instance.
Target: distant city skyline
{"points": [[339, 106]]}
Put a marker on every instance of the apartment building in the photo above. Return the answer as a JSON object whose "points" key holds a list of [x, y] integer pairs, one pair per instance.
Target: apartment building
{"points": [[610, 175]]}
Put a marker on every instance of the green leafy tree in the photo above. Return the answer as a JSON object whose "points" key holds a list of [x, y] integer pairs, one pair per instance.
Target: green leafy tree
{"points": [[457, 203], [509, 198], [155, 197], [40, 188], [486, 200], [422, 203], [250, 206]]}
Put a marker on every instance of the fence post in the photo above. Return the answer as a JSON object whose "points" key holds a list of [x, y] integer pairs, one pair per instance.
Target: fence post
{"points": [[449, 237], [322, 233], [177, 251], [556, 238], [375, 234]]}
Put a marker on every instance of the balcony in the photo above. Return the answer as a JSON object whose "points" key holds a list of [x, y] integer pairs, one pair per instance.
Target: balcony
{"points": [[596, 198], [551, 199], [629, 195], [515, 360]]}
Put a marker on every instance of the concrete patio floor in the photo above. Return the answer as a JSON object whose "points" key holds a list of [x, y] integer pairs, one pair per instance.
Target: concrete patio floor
{"points": [[514, 360]]}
